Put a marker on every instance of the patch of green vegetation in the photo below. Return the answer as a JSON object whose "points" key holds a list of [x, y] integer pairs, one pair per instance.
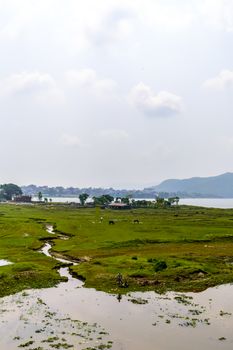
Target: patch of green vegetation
{"points": [[179, 248], [30, 342], [139, 301], [50, 340], [61, 346], [20, 240], [160, 265], [224, 313]]}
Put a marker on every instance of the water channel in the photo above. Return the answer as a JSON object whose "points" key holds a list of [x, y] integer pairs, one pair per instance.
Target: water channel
{"points": [[71, 316]]}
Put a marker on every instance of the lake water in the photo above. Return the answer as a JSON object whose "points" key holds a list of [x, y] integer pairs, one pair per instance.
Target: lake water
{"points": [[223, 203], [60, 199], [86, 319], [71, 316]]}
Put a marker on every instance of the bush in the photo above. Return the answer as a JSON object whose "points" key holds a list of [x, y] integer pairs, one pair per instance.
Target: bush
{"points": [[160, 266], [97, 263]]}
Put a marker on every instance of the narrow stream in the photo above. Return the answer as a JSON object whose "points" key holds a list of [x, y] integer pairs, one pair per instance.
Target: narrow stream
{"points": [[64, 271], [72, 316], [4, 262]]}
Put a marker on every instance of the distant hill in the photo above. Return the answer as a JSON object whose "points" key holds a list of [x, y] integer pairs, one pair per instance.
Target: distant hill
{"points": [[214, 186], [197, 187], [60, 191]]}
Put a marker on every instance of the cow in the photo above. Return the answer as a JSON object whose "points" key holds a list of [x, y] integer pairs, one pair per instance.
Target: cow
{"points": [[111, 222]]}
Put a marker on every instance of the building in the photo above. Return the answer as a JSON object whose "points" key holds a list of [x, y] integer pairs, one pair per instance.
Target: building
{"points": [[22, 199], [119, 206]]}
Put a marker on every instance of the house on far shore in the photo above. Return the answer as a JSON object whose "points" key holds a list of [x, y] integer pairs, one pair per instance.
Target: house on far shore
{"points": [[22, 199], [119, 206]]}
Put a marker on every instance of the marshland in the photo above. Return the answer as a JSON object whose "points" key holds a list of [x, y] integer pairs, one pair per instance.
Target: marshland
{"points": [[69, 268]]}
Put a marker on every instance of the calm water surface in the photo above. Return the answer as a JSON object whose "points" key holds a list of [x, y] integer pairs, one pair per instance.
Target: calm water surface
{"points": [[223, 203], [164, 323], [4, 262], [204, 202]]}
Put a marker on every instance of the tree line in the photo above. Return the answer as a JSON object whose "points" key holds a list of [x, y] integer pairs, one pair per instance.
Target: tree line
{"points": [[105, 200], [8, 191]]}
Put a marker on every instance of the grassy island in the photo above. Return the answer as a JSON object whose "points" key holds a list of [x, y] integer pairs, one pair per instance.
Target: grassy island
{"points": [[179, 248]]}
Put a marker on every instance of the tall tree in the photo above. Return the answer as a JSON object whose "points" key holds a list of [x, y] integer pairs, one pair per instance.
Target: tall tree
{"points": [[103, 200], [160, 201], [10, 190], [83, 197], [125, 200]]}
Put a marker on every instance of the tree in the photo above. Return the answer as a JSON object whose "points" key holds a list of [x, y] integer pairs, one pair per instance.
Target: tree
{"points": [[103, 200], [171, 200], [83, 197], [108, 198], [10, 190], [125, 200], [40, 196], [160, 201], [46, 200], [174, 200]]}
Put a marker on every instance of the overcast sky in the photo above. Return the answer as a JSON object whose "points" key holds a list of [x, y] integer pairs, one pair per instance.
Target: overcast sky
{"points": [[121, 93]]}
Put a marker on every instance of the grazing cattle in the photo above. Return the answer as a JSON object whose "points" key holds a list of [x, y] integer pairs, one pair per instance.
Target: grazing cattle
{"points": [[136, 221], [111, 222]]}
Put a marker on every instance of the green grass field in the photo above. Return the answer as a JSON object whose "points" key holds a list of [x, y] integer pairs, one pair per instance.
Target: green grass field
{"points": [[181, 249]]}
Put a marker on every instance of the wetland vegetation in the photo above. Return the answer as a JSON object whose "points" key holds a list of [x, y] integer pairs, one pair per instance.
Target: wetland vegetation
{"points": [[179, 248]]}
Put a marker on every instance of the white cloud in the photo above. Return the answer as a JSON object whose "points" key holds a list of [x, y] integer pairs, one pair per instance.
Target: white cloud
{"points": [[16, 16], [114, 134], [71, 140], [223, 80], [156, 105], [217, 13], [88, 79], [40, 86], [124, 41], [116, 25], [25, 82], [75, 26], [164, 16], [54, 96]]}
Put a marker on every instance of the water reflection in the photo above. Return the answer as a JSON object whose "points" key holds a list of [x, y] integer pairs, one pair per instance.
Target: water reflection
{"points": [[5, 262], [134, 322]]}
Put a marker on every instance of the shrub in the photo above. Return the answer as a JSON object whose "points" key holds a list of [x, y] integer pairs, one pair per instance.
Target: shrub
{"points": [[97, 263], [160, 265]]}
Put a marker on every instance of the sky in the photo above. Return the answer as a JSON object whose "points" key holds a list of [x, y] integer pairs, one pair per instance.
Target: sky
{"points": [[115, 93]]}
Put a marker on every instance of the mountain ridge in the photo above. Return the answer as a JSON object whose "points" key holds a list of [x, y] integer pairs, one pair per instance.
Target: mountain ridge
{"points": [[219, 186]]}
